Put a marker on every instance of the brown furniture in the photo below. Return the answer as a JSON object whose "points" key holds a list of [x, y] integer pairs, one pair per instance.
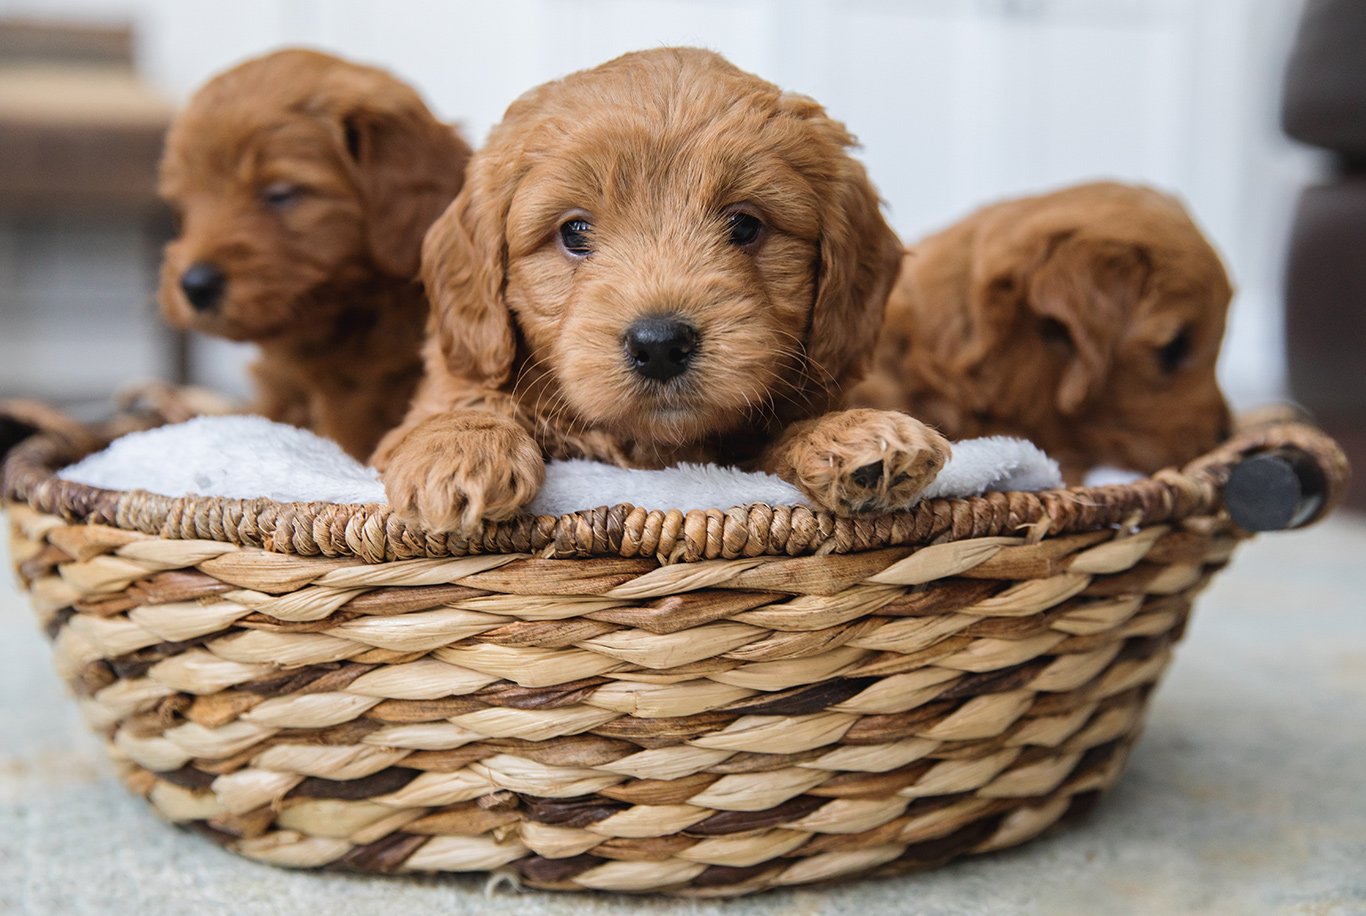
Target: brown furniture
{"points": [[82, 136], [79, 130], [1324, 105]]}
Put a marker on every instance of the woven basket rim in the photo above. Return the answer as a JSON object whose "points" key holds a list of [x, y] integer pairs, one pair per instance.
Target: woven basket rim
{"points": [[771, 721], [372, 533]]}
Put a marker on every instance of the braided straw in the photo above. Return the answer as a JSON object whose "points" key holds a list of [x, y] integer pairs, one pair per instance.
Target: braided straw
{"points": [[803, 699], [372, 534]]}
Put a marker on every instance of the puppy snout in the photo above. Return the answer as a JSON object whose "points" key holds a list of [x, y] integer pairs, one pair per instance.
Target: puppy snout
{"points": [[203, 285], [659, 348]]}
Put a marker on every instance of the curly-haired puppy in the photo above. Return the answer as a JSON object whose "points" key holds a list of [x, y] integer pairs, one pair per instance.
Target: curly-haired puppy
{"points": [[1087, 320], [304, 184], [661, 259]]}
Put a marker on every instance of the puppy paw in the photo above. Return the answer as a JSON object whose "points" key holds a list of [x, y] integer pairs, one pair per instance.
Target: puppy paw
{"points": [[451, 472], [857, 461]]}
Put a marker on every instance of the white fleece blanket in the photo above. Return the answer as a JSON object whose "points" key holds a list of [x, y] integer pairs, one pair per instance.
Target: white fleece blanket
{"points": [[246, 457]]}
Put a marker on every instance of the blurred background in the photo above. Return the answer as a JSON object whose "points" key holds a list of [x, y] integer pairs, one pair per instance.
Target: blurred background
{"points": [[957, 103]]}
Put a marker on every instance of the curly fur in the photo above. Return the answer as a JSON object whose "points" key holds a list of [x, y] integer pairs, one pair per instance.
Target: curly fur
{"points": [[525, 355], [1087, 320], [323, 280]]}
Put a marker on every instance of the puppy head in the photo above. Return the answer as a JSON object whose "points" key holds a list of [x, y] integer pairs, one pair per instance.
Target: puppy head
{"points": [[290, 174], [1114, 292], [668, 247]]}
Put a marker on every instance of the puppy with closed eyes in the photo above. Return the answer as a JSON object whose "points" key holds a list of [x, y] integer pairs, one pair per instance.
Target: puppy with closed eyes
{"points": [[1087, 320], [661, 259], [304, 184]]}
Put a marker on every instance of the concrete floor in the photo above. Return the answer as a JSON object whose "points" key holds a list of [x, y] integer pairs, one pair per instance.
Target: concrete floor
{"points": [[1245, 795]]}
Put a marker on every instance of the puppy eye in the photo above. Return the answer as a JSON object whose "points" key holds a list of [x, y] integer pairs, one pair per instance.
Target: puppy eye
{"points": [[575, 237], [744, 228], [280, 194], [1175, 353]]}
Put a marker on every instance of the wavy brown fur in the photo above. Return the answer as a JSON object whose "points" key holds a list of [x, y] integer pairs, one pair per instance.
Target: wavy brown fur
{"points": [[1087, 320], [308, 181]]}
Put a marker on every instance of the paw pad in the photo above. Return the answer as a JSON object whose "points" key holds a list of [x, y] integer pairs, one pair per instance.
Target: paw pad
{"points": [[869, 475]]}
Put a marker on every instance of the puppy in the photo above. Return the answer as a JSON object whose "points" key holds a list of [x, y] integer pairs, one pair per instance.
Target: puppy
{"points": [[303, 185], [661, 259], [1087, 321]]}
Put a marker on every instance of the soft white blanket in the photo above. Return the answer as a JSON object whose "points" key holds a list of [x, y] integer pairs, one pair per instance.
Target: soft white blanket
{"points": [[246, 457]]}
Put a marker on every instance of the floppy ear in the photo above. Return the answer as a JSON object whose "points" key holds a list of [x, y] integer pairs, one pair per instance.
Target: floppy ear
{"points": [[409, 166], [1087, 288], [859, 255], [463, 269]]}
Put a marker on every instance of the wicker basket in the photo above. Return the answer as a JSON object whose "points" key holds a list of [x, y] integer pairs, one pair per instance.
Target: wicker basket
{"points": [[710, 703]]}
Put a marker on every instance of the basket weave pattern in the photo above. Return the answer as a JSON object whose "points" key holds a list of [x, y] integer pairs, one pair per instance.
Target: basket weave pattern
{"points": [[374, 534], [617, 722]]}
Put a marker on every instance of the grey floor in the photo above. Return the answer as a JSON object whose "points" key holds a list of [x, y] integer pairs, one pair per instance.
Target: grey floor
{"points": [[1247, 793]]}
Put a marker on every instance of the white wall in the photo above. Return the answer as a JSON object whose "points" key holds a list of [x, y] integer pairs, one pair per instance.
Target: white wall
{"points": [[957, 102]]}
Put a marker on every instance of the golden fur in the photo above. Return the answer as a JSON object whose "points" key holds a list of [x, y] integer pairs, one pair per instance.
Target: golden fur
{"points": [[308, 182], [658, 151], [1087, 320]]}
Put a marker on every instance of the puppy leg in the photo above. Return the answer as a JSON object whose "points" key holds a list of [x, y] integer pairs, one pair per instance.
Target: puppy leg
{"points": [[450, 471], [860, 460], [355, 419], [279, 394]]}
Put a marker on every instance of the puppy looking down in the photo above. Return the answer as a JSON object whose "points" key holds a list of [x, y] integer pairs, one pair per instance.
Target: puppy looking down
{"points": [[1087, 320], [303, 185], [661, 259]]}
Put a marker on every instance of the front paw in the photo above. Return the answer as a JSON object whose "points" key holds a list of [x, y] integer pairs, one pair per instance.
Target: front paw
{"points": [[452, 472], [857, 461]]}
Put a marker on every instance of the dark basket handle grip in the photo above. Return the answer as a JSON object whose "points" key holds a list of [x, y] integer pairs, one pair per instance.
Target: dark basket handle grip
{"points": [[13, 431], [20, 419], [1275, 490], [1277, 475], [140, 406]]}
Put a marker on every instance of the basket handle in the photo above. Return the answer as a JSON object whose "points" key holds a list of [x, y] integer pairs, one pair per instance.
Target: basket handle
{"points": [[1275, 491], [139, 406], [21, 418], [1276, 472]]}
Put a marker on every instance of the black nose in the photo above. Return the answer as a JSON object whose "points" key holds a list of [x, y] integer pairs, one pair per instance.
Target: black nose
{"points": [[203, 285], [659, 348]]}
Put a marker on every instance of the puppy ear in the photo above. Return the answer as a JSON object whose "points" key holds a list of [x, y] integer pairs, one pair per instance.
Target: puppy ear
{"points": [[409, 166], [859, 255], [463, 270], [1084, 291]]}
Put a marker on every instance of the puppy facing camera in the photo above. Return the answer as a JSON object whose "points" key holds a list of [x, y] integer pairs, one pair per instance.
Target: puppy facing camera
{"points": [[661, 259]]}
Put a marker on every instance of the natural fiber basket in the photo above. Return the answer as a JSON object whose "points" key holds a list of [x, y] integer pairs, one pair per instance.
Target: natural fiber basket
{"points": [[702, 703]]}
